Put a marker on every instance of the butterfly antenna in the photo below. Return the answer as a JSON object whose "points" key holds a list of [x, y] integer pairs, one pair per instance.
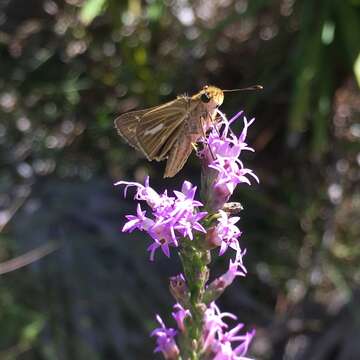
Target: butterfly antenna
{"points": [[250, 88]]}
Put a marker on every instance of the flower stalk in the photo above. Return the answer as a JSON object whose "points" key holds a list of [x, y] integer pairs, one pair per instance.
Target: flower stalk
{"points": [[194, 263]]}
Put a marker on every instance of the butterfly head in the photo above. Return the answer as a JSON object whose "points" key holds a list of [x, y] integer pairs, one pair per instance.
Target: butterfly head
{"points": [[211, 95]]}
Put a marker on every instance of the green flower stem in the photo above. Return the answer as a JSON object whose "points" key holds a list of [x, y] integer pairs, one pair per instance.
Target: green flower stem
{"points": [[195, 261], [195, 257]]}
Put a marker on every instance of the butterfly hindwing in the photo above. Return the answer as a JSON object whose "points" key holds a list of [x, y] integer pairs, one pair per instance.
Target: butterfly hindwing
{"points": [[178, 155]]}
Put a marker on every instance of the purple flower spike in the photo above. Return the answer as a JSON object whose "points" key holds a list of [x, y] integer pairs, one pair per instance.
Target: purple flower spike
{"points": [[179, 221]]}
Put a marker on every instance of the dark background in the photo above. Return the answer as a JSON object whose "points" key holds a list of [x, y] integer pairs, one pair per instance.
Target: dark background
{"points": [[68, 68]]}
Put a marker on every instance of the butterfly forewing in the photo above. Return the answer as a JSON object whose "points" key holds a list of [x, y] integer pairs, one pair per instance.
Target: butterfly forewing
{"points": [[126, 125], [159, 126], [163, 152]]}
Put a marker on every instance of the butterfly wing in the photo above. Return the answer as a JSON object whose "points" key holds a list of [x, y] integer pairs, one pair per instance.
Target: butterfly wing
{"points": [[163, 131], [186, 137], [126, 125], [179, 153], [158, 128]]}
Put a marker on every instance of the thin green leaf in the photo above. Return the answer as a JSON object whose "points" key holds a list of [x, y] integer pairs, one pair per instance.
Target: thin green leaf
{"points": [[350, 29], [90, 10]]}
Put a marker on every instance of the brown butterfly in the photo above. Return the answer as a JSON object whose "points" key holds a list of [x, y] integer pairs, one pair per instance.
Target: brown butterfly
{"points": [[170, 131]]}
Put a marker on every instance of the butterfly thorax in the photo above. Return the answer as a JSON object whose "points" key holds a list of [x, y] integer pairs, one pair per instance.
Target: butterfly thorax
{"points": [[203, 108]]}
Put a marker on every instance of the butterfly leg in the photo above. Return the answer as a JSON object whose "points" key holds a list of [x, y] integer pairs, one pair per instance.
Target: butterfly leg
{"points": [[214, 124], [204, 136]]}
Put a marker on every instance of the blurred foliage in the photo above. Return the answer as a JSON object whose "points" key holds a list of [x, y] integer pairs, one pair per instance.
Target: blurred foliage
{"points": [[67, 68]]}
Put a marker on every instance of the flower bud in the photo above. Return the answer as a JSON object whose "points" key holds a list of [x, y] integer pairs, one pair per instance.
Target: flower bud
{"points": [[171, 351], [212, 238], [214, 290], [165, 341], [179, 290], [180, 315], [232, 208]]}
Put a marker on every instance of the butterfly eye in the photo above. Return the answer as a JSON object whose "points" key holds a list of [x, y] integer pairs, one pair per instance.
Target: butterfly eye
{"points": [[205, 98]]}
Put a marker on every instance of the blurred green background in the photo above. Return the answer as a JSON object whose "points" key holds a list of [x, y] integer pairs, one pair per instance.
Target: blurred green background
{"points": [[68, 68]]}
